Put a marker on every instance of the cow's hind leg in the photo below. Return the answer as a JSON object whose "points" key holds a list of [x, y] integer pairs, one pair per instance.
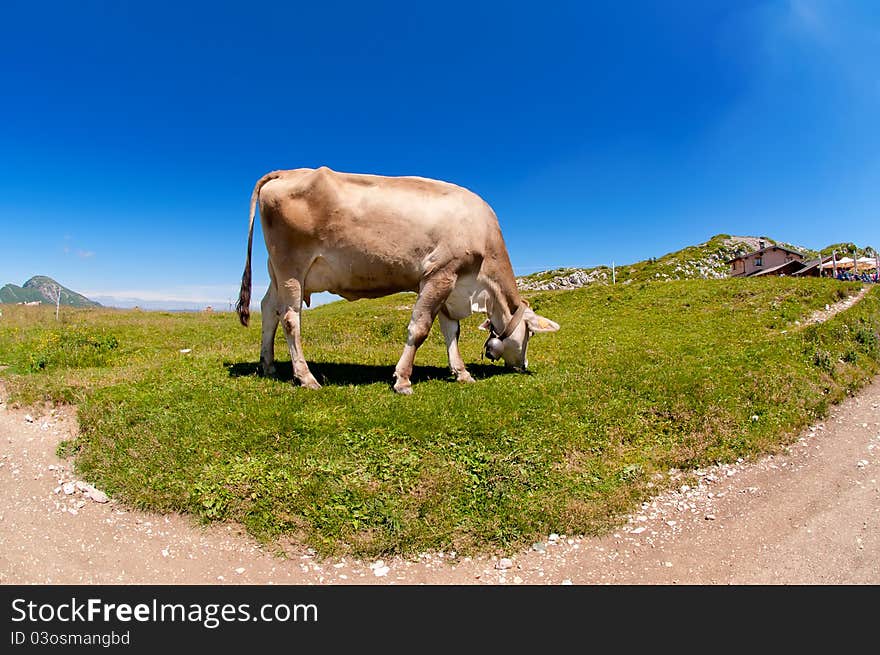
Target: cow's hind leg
{"points": [[270, 317], [451, 330], [432, 295], [290, 303]]}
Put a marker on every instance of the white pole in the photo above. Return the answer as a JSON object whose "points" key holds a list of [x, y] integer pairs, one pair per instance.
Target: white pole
{"points": [[834, 262], [57, 304], [613, 273]]}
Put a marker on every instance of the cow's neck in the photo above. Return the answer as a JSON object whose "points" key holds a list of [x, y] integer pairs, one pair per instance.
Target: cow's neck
{"points": [[499, 285], [502, 303]]}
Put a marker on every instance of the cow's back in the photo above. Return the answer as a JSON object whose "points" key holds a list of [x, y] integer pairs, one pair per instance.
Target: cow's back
{"points": [[365, 235]]}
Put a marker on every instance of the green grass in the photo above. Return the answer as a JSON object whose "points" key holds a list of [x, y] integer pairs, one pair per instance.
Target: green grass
{"points": [[641, 378]]}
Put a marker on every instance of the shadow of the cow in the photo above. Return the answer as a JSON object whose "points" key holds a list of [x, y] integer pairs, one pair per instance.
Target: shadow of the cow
{"points": [[340, 375]]}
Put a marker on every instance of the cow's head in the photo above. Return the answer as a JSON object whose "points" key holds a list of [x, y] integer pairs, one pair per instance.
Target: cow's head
{"points": [[511, 341]]}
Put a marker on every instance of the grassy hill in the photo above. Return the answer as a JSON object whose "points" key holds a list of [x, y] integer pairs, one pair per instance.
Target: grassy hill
{"points": [[704, 261], [38, 289], [641, 378]]}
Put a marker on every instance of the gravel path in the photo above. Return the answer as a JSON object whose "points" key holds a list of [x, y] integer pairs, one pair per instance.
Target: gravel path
{"points": [[822, 315], [810, 515]]}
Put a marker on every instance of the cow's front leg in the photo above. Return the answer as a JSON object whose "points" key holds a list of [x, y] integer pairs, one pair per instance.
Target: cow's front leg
{"points": [[451, 330], [291, 302], [270, 318], [431, 297]]}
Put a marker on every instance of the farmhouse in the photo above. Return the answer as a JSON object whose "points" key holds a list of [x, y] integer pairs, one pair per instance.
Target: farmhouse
{"points": [[767, 260], [816, 267]]}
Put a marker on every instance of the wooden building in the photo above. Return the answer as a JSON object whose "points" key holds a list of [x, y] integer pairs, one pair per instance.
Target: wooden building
{"points": [[767, 260]]}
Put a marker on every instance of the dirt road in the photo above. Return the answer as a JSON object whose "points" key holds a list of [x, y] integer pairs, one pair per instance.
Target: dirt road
{"points": [[811, 515]]}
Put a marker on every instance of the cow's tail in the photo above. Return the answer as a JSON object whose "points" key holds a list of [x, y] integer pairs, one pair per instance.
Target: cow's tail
{"points": [[243, 306]]}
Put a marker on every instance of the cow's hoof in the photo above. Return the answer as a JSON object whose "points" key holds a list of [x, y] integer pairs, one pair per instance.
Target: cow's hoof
{"points": [[464, 376], [310, 383], [268, 371], [403, 389]]}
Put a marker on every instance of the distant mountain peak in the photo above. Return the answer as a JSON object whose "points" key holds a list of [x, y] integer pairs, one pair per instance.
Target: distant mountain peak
{"points": [[40, 288], [37, 280]]}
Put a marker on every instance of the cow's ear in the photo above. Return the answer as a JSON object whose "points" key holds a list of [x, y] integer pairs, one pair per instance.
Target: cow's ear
{"points": [[538, 323], [485, 325]]}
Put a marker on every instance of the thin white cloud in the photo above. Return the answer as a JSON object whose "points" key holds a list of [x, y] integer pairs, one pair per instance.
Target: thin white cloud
{"points": [[193, 296], [807, 15], [191, 293], [68, 247]]}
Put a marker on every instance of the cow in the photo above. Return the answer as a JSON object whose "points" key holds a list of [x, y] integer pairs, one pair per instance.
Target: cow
{"points": [[366, 236]]}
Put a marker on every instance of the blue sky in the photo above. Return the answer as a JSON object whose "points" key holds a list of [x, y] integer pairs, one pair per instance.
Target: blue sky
{"points": [[132, 133]]}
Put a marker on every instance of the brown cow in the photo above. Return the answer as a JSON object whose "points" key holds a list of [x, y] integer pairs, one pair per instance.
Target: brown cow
{"points": [[365, 236]]}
